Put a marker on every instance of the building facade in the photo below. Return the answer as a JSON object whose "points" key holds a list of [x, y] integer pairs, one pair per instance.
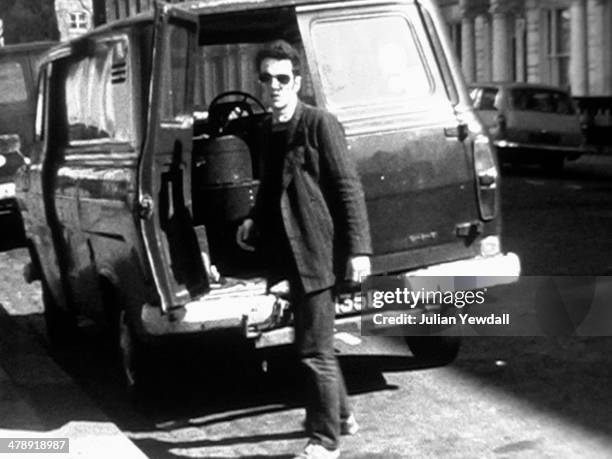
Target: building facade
{"points": [[74, 17], [560, 42]]}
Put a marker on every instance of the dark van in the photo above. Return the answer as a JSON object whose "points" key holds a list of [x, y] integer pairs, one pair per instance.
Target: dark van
{"points": [[141, 171]]}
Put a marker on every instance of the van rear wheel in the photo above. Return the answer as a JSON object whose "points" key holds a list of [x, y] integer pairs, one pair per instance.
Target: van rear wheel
{"points": [[440, 350]]}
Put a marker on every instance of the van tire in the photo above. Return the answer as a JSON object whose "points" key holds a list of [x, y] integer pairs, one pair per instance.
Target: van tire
{"points": [[60, 324], [440, 350]]}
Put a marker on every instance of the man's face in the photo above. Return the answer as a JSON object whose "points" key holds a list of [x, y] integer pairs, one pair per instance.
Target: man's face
{"points": [[280, 86]]}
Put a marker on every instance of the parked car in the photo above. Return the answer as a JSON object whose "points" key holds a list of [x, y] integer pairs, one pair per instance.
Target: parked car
{"points": [[11, 159], [18, 67], [530, 123], [131, 200]]}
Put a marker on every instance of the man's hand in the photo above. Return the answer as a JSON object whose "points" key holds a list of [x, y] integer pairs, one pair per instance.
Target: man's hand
{"points": [[245, 233], [358, 268]]}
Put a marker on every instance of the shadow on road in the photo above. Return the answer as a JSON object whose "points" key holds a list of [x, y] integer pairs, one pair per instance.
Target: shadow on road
{"points": [[567, 378], [11, 231], [35, 394], [205, 388]]}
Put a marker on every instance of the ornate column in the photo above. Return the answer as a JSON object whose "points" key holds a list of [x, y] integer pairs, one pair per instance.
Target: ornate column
{"points": [[520, 25], [468, 41], [578, 48], [535, 41], [502, 42], [483, 46]]}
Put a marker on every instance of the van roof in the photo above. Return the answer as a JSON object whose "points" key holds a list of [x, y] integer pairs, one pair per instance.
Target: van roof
{"points": [[25, 47], [212, 7], [223, 6]]}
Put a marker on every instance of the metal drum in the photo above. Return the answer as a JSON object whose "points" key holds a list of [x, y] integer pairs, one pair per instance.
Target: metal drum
{"points": [[228, 203], [222, 160]]}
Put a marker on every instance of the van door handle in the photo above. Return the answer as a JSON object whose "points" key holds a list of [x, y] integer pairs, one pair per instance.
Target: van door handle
{"points": [[459, 132]]}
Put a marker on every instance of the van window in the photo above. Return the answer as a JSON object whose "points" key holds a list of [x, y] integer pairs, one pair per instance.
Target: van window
{"points": [[369, 61], [98, 95], [175, 102], [12, 83]]}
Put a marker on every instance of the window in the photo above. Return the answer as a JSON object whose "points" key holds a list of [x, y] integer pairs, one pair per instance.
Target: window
{"points": [[12, 83], [98, 95], [485, 98], [78, 21], [370, 61], [543, 101], [455, 33], [174, 100], [558, 46]]}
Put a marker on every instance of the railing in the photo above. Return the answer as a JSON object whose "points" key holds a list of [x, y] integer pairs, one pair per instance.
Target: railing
{"points": [[596, 117]]}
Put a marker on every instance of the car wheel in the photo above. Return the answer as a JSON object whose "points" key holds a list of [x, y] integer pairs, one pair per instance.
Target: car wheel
{"points": [[60, 324], [439, 350]]}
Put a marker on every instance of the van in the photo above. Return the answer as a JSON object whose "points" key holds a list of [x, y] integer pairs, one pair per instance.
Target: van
{"points": [[141, 171]]}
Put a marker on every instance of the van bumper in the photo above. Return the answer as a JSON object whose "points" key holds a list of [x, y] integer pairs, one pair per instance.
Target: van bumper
{"points": [[265, 318], [510, 148]]}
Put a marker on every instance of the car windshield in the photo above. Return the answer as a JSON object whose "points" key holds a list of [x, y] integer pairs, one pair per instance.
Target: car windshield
{"points": [[542, 100]]}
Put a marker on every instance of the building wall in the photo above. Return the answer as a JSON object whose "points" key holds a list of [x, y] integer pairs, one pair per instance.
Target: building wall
{"points": [[562, 42], [74, 17]]}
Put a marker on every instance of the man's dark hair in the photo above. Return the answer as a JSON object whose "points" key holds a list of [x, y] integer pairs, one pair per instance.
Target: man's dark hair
{"points": [[279, 50]]}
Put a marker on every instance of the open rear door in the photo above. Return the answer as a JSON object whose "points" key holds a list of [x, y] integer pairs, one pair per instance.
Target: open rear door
{"points": [[165, 168]]}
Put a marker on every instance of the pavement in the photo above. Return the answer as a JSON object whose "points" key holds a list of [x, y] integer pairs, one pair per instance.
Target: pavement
{"points": [[38, 399]]}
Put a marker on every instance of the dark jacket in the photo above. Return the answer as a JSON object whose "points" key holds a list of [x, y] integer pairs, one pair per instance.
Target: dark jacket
{"points": [[322, 201]]}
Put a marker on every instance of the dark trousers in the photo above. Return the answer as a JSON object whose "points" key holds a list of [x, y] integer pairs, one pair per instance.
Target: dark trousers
{"points": [[327, 401]]}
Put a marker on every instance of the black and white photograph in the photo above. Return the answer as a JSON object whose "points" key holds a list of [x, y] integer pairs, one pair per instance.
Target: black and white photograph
{"points": [[306, 229]]}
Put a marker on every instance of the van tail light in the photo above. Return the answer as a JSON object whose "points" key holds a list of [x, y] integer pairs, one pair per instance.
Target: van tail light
{"points": [[487, 177]]}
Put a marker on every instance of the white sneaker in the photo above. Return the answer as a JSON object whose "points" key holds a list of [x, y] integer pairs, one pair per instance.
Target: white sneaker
{"points": [[349, 426], [315, 451]]}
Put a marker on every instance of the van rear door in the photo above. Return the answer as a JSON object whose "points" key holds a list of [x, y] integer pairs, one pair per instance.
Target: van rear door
{"points": [[165, 168], [376, 68]]}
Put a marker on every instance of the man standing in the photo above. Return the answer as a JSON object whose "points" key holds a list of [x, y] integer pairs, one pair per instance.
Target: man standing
{"points": [[312, 224]]}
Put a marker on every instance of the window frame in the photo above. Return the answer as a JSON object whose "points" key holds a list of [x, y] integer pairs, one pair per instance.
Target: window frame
{"points": [[434, 83], [555, 51], [108, 40]]}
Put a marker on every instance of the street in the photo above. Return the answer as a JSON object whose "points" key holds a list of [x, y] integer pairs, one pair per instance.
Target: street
{"points": [[502, 397]]}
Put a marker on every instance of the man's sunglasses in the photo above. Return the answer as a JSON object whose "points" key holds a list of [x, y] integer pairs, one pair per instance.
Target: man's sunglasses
{"points": [[281, 78]]}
